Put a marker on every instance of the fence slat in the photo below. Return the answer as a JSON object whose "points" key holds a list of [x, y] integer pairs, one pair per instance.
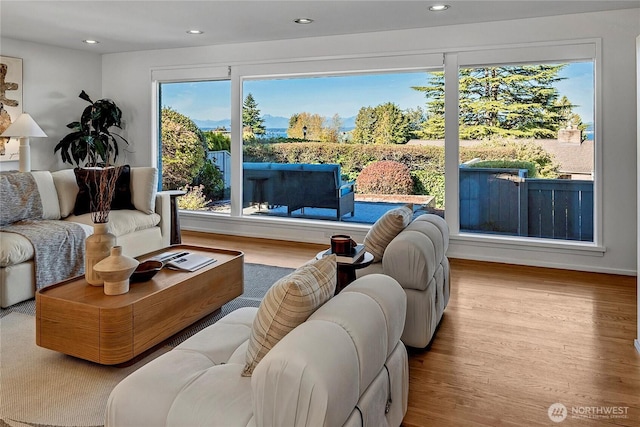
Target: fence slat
{"points": [[492, 200]]}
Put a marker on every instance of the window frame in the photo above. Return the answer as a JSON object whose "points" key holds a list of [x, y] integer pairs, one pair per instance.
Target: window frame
{"points": [[451, 59], [568, 51]]}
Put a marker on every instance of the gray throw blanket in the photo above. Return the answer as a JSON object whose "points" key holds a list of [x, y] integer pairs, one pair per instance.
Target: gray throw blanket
{"points": [[20, 197], [58, 245]]}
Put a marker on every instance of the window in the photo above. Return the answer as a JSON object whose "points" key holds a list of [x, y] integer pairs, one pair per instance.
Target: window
{"points": [[526, 150], [195, 142], [338, 147]]}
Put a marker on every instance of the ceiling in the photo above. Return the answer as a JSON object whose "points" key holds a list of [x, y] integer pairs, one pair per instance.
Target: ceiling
{"points": [[123, 26]]}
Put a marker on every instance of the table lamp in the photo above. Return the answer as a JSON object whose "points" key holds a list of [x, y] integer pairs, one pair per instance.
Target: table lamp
{"points": [[24, 128]]}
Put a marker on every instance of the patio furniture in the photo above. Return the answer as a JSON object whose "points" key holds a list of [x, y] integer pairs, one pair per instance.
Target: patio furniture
{"points": [[298, 186]]}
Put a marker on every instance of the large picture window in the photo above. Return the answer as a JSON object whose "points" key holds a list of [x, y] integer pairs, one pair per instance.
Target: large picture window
{"points": [[341, 148], [345, 140]]}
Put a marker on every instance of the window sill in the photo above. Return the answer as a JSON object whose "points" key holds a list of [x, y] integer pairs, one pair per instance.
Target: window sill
{"points": [[530, 244]]}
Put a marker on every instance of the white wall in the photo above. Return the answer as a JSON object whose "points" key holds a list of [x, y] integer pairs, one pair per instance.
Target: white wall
{"points": [[52, 79], [637, 340], [126, 79]]}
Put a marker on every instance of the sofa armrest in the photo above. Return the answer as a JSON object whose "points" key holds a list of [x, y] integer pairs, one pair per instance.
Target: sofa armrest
{"points": [[346, 188], [163, 208], [414, 255]]}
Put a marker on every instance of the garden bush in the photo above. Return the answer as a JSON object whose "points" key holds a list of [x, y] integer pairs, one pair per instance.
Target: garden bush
{"points": [[507, 164], [430, 183], [385, 177], [194, 200], [211, 180]]}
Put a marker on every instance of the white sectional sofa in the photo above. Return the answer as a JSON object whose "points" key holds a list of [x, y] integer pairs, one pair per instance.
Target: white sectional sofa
{"points": [[138, 231], [344, 366], [417, 259]]}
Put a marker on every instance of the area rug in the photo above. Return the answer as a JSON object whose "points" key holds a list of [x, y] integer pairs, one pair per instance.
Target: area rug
{"points": [[42, 388]]}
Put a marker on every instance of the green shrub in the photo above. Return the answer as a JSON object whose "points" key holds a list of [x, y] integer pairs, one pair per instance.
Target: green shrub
{"points": [[210, 179], [524, 150], [194, 200], [183, 146], [429, 183], [507, 164], [385, 177], [217, 141]]}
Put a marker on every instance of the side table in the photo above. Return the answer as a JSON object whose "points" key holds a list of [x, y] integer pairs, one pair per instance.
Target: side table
{"points": [[347, 271], [176, 237]]}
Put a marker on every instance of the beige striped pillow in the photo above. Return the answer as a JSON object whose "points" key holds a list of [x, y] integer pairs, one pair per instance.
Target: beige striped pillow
{"points": [[385, 229], [287, 304]]}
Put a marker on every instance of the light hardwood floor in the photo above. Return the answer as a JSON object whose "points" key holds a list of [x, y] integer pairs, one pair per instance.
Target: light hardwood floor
{"points": [[513, 340]]}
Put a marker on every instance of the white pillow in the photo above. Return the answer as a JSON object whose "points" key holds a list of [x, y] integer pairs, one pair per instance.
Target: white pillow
{"points": [[48, 194], [144, 184], [67, 189]]}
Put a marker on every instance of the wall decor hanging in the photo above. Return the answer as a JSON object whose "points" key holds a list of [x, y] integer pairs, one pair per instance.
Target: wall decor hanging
{"points": [[10, 104]]}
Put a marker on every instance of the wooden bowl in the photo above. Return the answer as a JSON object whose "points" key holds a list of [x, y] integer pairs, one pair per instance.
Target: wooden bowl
{"points": [[145, 271]]}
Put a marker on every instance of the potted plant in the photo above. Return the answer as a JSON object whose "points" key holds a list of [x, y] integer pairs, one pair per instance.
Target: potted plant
{"points": [[92, 143]]}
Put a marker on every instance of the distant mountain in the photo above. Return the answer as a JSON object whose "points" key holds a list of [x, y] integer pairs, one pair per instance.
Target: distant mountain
{"points": [[213, 124], [270, 122]]}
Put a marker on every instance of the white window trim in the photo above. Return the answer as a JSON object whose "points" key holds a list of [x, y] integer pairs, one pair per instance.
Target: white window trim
{"points": [[392, 62], [570, 51]]}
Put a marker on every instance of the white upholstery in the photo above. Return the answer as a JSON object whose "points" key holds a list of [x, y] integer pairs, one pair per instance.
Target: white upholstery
{"points": [[66, 189], [416, 258], [136, 231], [47, 190], [144, 183], [317, 375]]}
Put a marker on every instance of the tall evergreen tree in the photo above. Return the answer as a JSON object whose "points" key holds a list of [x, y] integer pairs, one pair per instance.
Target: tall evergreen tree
{"points": [[518, 101], [251, 118]]}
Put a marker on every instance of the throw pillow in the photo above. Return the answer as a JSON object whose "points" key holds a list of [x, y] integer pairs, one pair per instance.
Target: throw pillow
{"points": [[88, 179], [385, 229], [287, 304]]}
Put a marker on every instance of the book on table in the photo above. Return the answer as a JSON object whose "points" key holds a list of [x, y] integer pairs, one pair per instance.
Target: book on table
{"points": [[186, 261], [356, 255]]}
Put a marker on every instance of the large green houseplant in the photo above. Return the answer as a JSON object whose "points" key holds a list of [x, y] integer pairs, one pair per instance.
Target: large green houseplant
{"points": [[92, 143]]}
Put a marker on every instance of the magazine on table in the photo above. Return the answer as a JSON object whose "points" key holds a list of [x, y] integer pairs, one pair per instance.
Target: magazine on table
{"points": [[358, 253], [186, 261]]}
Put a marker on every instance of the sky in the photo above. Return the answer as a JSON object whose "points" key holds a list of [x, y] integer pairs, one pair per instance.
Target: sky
{"points": [[343, 95]]}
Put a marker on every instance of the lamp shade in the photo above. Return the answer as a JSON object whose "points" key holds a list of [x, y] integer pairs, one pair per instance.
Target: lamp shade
{"points": [[24, 126]]}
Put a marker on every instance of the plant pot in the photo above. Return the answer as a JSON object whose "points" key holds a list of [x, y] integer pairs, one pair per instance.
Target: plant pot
{"points": [[115, 270], [97, 247]]}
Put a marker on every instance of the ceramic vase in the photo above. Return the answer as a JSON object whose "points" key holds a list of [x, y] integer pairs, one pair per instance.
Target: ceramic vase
{"points": [[115, 270], [97, 247]]}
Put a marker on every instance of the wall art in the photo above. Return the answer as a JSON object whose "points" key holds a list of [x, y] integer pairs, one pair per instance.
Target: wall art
{"points": [[10, 104]]}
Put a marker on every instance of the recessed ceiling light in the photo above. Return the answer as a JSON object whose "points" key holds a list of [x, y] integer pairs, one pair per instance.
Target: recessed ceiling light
{"points": [[195, 32], [438, 7], [89, 41], [303, 21]]}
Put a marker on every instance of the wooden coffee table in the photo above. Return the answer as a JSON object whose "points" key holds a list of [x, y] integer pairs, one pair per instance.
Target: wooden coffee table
{"points": [[78, 319]]}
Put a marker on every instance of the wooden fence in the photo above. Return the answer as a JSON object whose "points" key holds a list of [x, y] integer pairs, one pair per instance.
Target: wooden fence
{"points": [[505, 201], [222, 159]]}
